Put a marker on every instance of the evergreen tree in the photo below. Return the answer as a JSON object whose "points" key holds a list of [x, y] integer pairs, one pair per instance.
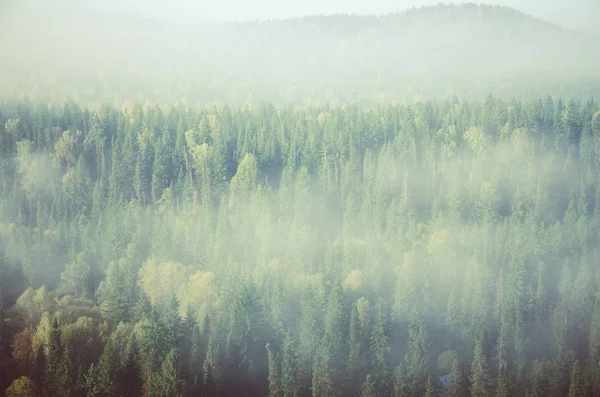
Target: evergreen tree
{"points": [[418, 349], [480, 381], [168, 382], [379, 346], [274, 379], [323, 384], [429, 388], [128, 378], [153, 342], [458, 383], [577, 385], [162, 172], [402, 382], [354, 347], [172, 323], [289, 368], [56, 372], [195, 358], [538, 387], [116, 292], [504, 385], [368, 388]]}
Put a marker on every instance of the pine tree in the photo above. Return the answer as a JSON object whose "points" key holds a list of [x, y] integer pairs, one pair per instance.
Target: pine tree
{"points": [[162, 172], [323, 384], [379, 346], [429, 388], [195, 358], [143, 168], [274, 378], [211, 366], [577, 385], [368, 388], [333, 346], [168, 381], [538, 386], [458, 383], [56, 373], [453, 314], [116, 292], [418, 349], [402, 384], [188, 325], [128, 378], [108, 367], [354, 348], [153, 343], [504, 385], [480, 381], [172, 322], [289, 368]]}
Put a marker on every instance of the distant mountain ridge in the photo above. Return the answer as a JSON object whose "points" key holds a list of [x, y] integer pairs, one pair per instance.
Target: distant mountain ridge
{"points": [[425, 52]]}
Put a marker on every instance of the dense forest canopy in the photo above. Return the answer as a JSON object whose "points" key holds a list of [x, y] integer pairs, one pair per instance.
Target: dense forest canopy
{"points": [[399, 205], [301, 252], [423, 53]]}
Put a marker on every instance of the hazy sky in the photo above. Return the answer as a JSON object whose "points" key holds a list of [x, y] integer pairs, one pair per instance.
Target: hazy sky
{"points": [[582, 14], [574, 13]]}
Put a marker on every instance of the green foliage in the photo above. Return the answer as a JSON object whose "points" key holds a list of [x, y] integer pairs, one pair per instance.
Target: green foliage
{"points": [[115, 292], [353, 240], [168, 382], [577, 387], [480, 379], [274, 378], [368, 389], [429, 388], [21, 387], [379, 345], [289, 368], [458, 383]]}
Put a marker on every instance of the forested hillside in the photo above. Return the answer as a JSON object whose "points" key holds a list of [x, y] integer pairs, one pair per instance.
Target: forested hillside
{"points": [[226, 251], [66, 53]]}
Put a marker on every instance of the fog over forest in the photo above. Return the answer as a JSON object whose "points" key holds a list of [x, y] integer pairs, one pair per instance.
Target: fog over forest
{"points": [[576, 14], [299, 200], [436, 52]]}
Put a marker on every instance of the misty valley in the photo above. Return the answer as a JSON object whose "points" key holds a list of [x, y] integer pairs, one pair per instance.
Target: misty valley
{"points": [[332, 206]]}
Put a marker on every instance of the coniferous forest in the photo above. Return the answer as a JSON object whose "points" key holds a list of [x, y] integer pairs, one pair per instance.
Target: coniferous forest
{"points": [[443, 247]]}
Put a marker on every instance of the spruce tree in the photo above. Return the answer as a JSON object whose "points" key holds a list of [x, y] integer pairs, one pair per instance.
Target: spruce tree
{"points": [[429, 388], [168, 382], [504, 385], [56, 371], [577, 385], [354, 348], [368, 388], [172, 322], [274, 375], [289, 368], [379, 346], [402, 384], [458, 383], [480, 380], [417, 358]]}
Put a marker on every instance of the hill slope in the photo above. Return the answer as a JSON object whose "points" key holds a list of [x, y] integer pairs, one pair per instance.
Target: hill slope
{"points": [[431, 51]]}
